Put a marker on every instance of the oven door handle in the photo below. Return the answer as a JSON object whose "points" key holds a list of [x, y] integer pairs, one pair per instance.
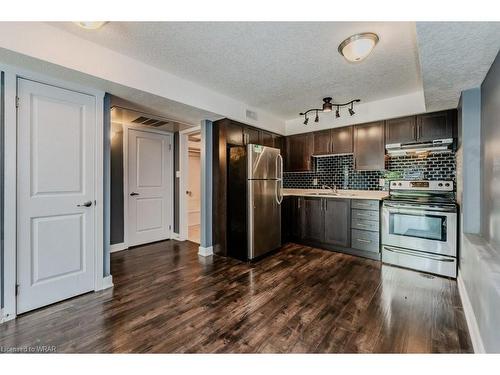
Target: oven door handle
{"points": [[423, 212], [421, 255]]}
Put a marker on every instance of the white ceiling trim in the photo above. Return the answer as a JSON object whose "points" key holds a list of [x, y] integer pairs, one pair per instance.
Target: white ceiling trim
{"points": [[48, 43]]}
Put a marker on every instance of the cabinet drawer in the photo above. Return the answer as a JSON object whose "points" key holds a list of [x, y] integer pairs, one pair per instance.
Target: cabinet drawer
{"points": [[365, 240], [365, 204], [365, 215], [362, 224]]}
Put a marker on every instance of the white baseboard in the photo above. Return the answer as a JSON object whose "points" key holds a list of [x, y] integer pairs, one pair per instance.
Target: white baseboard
{"points": [[177, 237], [206, 251], [475, 335], [107, 282], [118, 247]]}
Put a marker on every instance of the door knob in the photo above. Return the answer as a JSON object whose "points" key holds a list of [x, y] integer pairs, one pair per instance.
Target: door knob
{"points": [[86, 204], [133, 194], [189, 192]]}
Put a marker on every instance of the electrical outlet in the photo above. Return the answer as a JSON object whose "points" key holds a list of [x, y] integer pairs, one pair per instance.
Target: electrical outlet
{"points": [[381, 182], [315, 181]]}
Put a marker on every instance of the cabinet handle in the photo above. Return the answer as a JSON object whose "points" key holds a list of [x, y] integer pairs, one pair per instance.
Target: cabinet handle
{"points": [[363, 240]]}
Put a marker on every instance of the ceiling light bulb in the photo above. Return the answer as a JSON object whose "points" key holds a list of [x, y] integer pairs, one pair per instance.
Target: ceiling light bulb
{"points": [[316, 119], [327, 105], [357, 47], [91, 25]]}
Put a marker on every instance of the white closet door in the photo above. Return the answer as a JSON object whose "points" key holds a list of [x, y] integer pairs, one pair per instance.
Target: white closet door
{"points": [[149, 187], [56, 172]]}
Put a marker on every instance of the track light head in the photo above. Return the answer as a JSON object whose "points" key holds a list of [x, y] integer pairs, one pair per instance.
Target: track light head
{"points": [[306, 121], [351, 112], [337, 113], [316, 119]]}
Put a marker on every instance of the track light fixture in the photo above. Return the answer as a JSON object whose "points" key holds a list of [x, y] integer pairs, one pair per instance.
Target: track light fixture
{"points": [[328, 107], [351, 111]]}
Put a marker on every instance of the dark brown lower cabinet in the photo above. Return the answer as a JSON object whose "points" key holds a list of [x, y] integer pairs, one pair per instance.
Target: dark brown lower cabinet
{"points": [[290, 219], [312, 219], [337, 222]]}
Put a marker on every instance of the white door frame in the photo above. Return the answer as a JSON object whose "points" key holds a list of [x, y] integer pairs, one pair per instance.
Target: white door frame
{"points": [[10, 197], [184, 179], [170, 203]]}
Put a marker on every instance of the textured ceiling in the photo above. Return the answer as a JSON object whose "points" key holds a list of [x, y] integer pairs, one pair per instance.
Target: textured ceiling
{"points": [[130, 97], [454, 56], [283, 68]]}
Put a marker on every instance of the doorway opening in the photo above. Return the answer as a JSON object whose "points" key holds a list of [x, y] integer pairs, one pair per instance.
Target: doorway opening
{"points": [[193, 191]]}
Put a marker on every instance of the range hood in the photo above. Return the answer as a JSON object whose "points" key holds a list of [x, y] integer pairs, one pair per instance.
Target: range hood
{"points": [[437, 145]]}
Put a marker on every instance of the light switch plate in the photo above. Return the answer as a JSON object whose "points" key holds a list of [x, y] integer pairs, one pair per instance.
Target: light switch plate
{"points": [[315, 181]]}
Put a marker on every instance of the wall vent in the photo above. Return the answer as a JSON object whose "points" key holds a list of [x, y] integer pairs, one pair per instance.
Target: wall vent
{"points": [[149, 121], [251, 115]]}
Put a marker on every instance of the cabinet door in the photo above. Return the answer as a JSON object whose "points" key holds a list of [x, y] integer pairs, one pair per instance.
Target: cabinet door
{"points": [[369, 147], [323, 142], [312, 219], [266, 139], [437, 125], [338, 222], [401, 130], [295, 218], [251, 136], [234, 133], [278, 142], [342, 140], [299, 150]]}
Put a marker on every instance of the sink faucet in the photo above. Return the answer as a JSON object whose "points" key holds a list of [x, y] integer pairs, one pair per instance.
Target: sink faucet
{"points": [[333, 190]]}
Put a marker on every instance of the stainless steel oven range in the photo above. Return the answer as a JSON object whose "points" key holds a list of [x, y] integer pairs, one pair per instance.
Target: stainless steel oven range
{"points": [[419, 226]]}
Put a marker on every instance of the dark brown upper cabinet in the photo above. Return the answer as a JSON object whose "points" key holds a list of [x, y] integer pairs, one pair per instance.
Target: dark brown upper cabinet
{"points": [[342, 142], [333, 141], [401, 130], [299, 149], [436, 125], [369, 147], [234, 133], [251, 136], [266, 139], [421, 128], [323, 142]]}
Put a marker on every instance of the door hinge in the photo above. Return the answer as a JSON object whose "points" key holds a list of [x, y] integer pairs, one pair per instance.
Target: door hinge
{"points": [[169, 227], [17, 101], [17, 289]]}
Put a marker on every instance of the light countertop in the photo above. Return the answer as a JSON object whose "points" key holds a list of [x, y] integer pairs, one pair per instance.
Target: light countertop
{"points": [[348, 194]]}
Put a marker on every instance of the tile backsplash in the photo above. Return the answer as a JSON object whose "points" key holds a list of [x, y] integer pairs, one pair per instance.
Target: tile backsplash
{"points": [[339, 170]]}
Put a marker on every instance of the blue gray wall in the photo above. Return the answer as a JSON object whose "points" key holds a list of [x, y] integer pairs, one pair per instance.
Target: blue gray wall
{"points": [[2, 117], [480, 244]]}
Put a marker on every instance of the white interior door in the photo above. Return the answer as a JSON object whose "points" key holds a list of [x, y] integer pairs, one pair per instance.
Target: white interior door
{"points": [[149, 186], [56, 214]]}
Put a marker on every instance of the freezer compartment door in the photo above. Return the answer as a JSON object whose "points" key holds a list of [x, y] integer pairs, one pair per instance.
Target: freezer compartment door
{"points": [[263, 162], [264, 217]]}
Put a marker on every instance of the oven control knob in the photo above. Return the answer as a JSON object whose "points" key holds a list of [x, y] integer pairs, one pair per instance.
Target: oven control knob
{"points": [[447, 184], [440, 184], [399, 184]]}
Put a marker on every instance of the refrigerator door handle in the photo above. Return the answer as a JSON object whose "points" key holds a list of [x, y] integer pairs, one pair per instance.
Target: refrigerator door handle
{"points": [[279, 182]]}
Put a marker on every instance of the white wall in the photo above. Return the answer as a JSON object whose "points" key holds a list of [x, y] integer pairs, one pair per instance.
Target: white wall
{"points": [[48, 43], [365, 112]]}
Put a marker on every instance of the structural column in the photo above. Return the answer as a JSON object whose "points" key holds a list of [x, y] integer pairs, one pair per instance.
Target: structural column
{"points": [[206, 245]]}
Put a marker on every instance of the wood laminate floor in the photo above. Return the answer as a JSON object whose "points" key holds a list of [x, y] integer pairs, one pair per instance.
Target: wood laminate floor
{"points": [[167, 299]]}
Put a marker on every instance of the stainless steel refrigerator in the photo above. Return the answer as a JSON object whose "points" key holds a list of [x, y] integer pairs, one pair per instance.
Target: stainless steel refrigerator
{"points": [[255, 184]]}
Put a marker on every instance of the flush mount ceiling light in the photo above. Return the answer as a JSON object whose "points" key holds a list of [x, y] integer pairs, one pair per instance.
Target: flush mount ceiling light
{"points": [[91, 25], [357, 47], [328, 107]]}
